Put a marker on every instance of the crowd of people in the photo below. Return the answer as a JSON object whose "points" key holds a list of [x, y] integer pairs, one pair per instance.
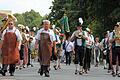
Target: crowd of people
{"points": [[20, 46]]}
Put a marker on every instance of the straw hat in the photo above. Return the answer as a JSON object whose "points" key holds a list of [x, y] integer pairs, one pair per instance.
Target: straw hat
{"points": [[21, 26]]}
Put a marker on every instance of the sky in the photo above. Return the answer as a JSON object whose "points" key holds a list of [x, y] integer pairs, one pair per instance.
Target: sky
{"points": [[20, 6]]}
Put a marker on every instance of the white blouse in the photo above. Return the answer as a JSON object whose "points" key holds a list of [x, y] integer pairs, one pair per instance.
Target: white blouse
{"points": [[69, 46]]}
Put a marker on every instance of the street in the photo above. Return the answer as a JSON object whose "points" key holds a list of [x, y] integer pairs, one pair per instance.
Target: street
{"points": [[66, 73]]}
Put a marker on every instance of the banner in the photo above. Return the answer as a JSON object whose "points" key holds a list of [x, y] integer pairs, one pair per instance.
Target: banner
{"points": [[65, 24]]}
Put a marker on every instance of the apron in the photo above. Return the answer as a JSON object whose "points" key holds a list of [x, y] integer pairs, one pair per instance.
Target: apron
{"points": [[45, 49], [10, 51]]}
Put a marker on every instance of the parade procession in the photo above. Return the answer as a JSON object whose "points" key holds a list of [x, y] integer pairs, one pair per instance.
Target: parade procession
{"points": [[69, 45]]}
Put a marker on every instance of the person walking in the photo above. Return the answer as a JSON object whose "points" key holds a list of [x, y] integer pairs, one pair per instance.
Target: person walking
{"points": [[46, 39], [11, 39]]}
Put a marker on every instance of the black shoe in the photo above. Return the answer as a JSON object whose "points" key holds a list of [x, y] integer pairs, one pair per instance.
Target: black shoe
{"points": [[118, 74], [41, 72], [32, 65], [88, 69], [47, 74], [113, 74], [105, 67], [2, 72], [20, 68], [86, 72], [23, 66], [80, 73], [96, 65], [55, 67], [76, 72], [28, 65], [108, 71], [12, 74]]}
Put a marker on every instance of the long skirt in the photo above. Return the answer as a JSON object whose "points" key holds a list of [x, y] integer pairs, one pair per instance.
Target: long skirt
{"points": [[25, 61]]}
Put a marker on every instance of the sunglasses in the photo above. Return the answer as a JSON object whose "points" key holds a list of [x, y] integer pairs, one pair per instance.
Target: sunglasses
{"points": [[10, 23]]}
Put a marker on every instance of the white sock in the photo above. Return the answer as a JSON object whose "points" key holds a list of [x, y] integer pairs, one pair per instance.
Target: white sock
{"points": [[81, 68], [32, 60], [21, 63], [58, 62], [55, 63], [76, 65], [104, 63], [40, 65], [118, 69]]}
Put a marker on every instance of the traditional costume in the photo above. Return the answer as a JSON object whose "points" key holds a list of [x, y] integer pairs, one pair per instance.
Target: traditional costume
{"points": [[56, 57], [105, 50], [89, 46], [10, 49], [45, 39], [96, 52], [79, 38], [115, 40]]}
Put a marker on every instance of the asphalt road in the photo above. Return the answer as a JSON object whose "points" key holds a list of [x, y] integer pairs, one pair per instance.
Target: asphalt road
{"points": [[66, 73]]}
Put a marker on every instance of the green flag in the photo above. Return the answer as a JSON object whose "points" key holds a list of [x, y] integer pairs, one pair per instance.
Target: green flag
{"points": [[65, 25]]}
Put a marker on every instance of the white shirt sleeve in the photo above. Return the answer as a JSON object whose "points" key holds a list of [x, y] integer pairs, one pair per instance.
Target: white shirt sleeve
{"points": [[101, 43], [19, 36], [72, 45], [38, 35], [111, 36], [58, 39], [52, 36]]}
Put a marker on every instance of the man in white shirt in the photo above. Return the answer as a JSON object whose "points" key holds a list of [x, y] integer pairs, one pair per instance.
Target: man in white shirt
{"points": [[89, 46], [46, 39], [11, 39], [115, 41], [55, 57], [79, 37]]}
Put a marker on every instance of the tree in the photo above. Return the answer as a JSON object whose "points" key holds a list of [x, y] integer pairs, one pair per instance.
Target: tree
{"points": [[101, 15], [31, 19], [20, 19]]}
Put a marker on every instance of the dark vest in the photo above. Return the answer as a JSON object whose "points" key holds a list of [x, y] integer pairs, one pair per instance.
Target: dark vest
{"points": [[83, 40]]}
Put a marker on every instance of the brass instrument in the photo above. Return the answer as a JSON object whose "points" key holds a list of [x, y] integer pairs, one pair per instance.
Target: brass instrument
{"points": [[8, 18], [117, 31], [78, 34]]}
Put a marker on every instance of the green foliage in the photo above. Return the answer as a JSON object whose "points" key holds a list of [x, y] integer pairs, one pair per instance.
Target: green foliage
{"points": [[20, 19], [97, 27], [31, 19], [100, 15]]}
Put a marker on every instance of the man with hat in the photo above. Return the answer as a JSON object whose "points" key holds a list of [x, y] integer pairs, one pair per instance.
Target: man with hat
{"points": [[56, 57], [89, 46], [79, 37], [11, 39], [24, 44], [115, 46], [46, 39]]}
